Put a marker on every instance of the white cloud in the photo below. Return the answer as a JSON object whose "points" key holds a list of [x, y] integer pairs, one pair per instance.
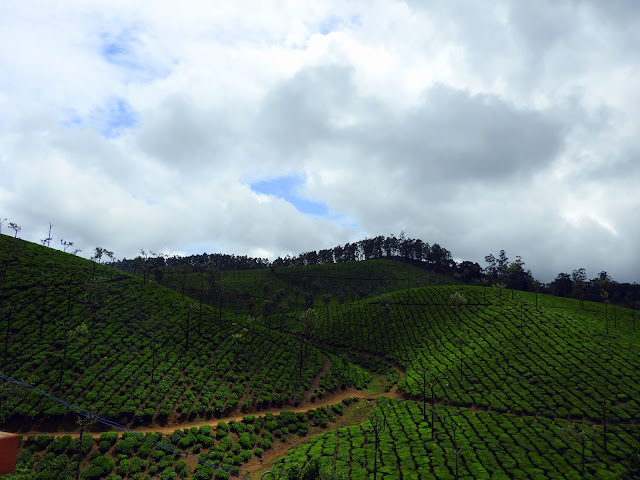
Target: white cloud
{"points": [[141, 125]]}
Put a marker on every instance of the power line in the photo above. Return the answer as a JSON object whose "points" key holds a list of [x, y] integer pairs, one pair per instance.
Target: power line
{"points": [[92, 416]]}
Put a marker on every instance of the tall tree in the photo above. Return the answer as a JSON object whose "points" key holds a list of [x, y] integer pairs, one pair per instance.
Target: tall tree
{"points": [[378, 424], [579, 279], [461, 342], [456, 448], [44, 284], [458, 300], [430, 381], [308, 321], [580, 434], [15, 227], [97, 291], [48, 239], [500, 287], [65, 333], [75, 334], [188, 307], [65, 244]]}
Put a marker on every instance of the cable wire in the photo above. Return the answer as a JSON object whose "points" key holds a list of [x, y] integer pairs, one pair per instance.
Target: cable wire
{"points": [[92, 416]]}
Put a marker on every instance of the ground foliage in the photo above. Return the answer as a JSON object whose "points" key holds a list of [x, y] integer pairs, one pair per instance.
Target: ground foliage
{"points": [[555, 359], [489, 445], [221, 450], [132, 351], [507, 375]]}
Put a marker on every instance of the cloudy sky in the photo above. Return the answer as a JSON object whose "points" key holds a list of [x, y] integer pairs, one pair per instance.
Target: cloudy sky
{"points": [[269, 128]]}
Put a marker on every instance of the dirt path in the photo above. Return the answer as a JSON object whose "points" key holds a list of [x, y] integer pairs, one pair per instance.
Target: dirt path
{"points": [[327, 400], [375, 390], [354, 414]]}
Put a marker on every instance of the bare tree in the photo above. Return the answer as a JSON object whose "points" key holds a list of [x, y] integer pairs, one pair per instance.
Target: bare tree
{"points": [[385, 311], [47, 241], [536, 286], [8, 308], [65, 244], [82, 421], [461, 342], [456, 447], [430, 381], [97, 254], [1, 222], [45, 285], [80, 332], [97, 291], [581, 435], [458, 299], [605, 299], [326, 298], [308, 321], [378, 424], [605, 404], [189, 307], [507, 357], [500, 287], [16, 228]]}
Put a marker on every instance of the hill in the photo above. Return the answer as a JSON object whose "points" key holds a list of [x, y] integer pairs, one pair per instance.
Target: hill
{"points": [[130, 350], [492, 383]]}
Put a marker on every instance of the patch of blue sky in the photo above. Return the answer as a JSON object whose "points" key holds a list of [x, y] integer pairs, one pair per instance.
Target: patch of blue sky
{"points": [[334, 23], [71, 118], [111, 120], [330, 25], [125, 51], [288, 188], [114, 118]]}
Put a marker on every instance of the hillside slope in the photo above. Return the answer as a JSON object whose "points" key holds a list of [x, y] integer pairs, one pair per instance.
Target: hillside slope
{"points": [[130, 350]]}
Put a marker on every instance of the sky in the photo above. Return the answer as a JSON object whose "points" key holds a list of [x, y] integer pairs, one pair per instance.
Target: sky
{"points": [[267, 128]]}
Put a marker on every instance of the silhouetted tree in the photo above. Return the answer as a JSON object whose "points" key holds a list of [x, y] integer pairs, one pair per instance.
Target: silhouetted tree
{"points": [[65, 244], [16, 228], [579, 278], [48, 239]]}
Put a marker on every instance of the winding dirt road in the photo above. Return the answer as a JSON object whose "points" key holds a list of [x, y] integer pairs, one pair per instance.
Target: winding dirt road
{"points": [[328, 399]]}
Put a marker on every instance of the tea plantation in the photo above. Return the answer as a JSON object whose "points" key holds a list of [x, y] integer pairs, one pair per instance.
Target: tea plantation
{"points": [[491, 383]]}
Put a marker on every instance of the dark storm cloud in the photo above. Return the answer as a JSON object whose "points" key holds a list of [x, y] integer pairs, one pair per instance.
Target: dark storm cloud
{"points": [[449, 134], [454, 135]]}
